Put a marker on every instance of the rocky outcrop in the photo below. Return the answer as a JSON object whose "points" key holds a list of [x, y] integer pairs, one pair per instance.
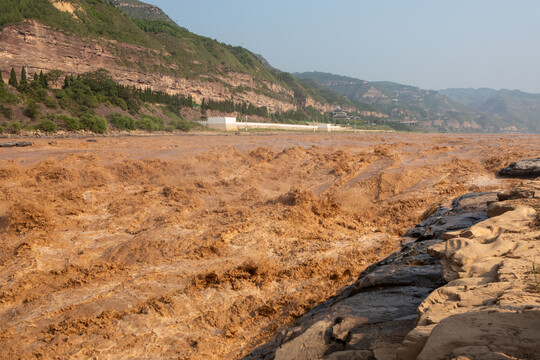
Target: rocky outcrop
{"points": [[15, 144], [43, 48], [463, 287], [525, 168], [490, 308]]}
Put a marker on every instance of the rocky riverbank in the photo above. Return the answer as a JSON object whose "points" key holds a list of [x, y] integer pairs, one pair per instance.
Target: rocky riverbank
{"points": [[465, 286]]}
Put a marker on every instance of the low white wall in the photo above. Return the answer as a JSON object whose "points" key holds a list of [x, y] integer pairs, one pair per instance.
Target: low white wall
{"points": [[251, 125], [230, 124], [318, 127]]}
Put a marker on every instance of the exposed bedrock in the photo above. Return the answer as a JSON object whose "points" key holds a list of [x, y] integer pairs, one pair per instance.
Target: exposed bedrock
{"points": [[15, 144], [464, 287], [529, 168]]}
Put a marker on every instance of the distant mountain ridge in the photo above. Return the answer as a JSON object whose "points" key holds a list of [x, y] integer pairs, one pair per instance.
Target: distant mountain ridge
{"points": [[502, 107], [403, 103], [485, 110]]}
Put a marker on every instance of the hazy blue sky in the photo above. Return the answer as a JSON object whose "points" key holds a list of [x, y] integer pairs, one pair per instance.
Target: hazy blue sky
{"points": [[433, 44]]}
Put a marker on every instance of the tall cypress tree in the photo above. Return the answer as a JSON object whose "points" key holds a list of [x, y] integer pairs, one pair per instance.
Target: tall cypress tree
{"points": [[43, 80], [1, 79], [24, 79], [13, 78]]}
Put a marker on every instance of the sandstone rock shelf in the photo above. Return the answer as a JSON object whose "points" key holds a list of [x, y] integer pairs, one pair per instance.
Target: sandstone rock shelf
{"points": [[529, 168], [15, 144]]}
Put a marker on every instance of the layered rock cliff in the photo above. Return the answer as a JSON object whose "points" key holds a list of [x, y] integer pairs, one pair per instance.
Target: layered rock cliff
{"points": [[43, 48]]}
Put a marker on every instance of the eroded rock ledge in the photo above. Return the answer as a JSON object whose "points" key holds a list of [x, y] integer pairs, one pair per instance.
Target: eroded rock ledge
{"points": [[15, 144], [464, 287], [529, 168]]}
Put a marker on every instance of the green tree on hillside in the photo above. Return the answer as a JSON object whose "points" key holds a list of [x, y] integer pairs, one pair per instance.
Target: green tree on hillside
{"points": [[43, 80], [32, 109], [53, 76], [67, 81], [24, 79], [1, 79], [13, 78]]}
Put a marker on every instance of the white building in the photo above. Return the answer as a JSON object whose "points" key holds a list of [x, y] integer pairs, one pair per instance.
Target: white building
{"points": [[221, 123]]}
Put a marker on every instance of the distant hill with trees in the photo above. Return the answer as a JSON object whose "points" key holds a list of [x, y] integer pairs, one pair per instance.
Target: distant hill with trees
{"points": [[505, 108], [446, 110]]}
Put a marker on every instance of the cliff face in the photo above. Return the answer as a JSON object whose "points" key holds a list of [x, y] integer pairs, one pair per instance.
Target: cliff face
{"points": [[43, 48]]}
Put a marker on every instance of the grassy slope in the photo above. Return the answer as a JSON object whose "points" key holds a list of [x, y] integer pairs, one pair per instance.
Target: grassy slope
{"points": [[139, 10], [97, 18]]}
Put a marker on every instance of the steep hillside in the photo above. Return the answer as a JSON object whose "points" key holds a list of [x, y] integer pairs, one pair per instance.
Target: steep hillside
{"points": [[402, 103], [512, 109], [141, 47], [81, 36]]}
